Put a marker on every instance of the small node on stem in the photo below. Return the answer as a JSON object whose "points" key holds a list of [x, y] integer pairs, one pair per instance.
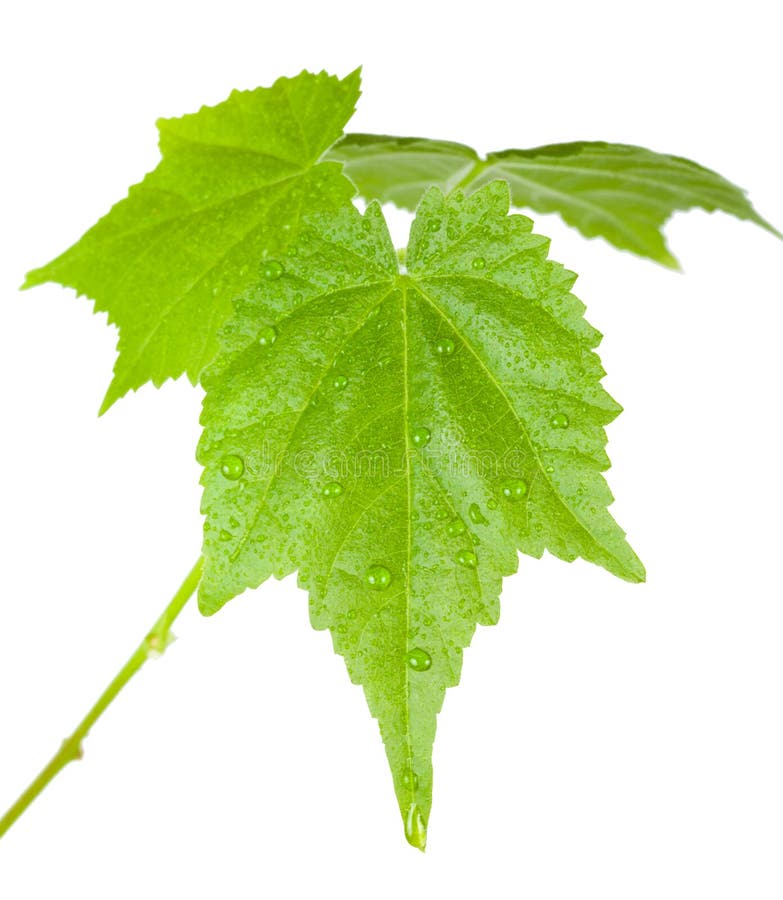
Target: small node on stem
{"points": [[72, 750], [157, 644]]}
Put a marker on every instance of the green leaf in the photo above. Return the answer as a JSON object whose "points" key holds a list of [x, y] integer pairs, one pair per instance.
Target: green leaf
{"points": [[399, 170], [398, 437], [232, 185], [621, 193]]}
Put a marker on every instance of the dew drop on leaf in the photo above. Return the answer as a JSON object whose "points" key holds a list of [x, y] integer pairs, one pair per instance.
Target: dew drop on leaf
{"points": [[232, 467], [419, 660], [479, 262], [333, 489], [434, 225], [455, 528], [377, 577], [514, 489], [410, 779], [267, 336], [272, 269], [225, 536], [445, 347], [415, 827], [549, 470], [340, 381], [421, 436], [467, 558], [476, 516], [492, 504], [559, 420]]}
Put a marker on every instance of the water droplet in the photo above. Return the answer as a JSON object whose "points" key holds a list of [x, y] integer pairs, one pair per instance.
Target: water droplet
{"points": [[549, 470], [421, 436], [445, 347], [292, 250], [492, 504], [225, 536], [232, 467], [340, 382], [267, 336], [333, 489], [419, 659], [459, 196], [559, 420], [442, 514], [455, 528], [434, 225], [272, 269], [415, 827], [377, 577], [410, 779], [467, 558], [514, 489], [476, 516], [479, 262]]}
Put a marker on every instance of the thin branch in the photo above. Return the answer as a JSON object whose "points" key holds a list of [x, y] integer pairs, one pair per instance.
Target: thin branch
{"points": [[154, 643]]}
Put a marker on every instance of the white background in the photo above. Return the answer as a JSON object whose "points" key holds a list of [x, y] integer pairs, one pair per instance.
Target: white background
{"points": [[608, 740]]}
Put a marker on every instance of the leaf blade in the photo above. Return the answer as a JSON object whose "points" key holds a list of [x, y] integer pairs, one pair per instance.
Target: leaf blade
{"points": [[399, 170], [230, 188], [619, 192], [388, 493]]}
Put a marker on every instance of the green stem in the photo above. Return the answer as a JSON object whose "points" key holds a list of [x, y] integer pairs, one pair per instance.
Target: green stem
{"points": [[154, 643]]}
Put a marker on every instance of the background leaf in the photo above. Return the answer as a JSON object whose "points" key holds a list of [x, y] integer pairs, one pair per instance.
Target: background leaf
{"points": [[397, 437], [621, 193], [399, 170]]}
